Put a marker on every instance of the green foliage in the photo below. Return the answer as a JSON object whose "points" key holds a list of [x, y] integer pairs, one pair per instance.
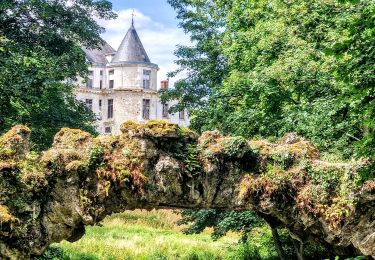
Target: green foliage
{"points": [[247, 251], [277, 67], [191, 161], [236, 146], [40, 49], [222, 222], [51, 253], [96, 157], [263, 68], [326, 178], [203, 62]]}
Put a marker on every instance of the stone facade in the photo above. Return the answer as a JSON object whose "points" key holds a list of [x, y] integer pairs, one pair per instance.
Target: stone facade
{"points": [[122, 86]]}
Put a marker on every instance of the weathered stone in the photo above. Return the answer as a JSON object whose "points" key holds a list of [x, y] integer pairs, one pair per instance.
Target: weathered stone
{"points": [[51, 197]]}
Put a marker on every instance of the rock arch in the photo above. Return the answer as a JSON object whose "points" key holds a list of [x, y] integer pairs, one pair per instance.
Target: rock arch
{"points": [[52, 196]]}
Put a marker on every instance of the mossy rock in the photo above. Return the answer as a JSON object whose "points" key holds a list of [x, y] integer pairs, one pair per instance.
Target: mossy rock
{"points": [[188, 133], [152, 128], [213, 144], [208, 138], [15, 143], [160, 128], [72, 138], [128, 126]]}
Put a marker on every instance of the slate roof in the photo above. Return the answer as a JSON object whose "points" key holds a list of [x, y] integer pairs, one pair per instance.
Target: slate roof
{"points": [[131, 49], [99, 55]]}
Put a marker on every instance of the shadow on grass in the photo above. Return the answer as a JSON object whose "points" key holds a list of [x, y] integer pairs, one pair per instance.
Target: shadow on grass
{"points": [[56, 253]]}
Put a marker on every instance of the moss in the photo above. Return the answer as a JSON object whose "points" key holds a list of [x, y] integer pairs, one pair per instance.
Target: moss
{"points": [[300, 150], [15, 143], [72, 138], [153, 128], [208, 138], [128, 125], [58, 159], [255, 187], [326, 178], [369, 187], [160, 128], [213, 145], [340, 209], [284, 160], [32, 174], [5, 216], [118, 163], [188, 133]]}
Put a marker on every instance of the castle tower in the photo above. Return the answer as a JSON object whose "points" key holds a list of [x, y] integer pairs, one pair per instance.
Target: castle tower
{"points": [[122, 86]]}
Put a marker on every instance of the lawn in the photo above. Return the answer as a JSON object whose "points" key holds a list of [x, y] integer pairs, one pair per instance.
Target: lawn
{"points": [[145, 235]]}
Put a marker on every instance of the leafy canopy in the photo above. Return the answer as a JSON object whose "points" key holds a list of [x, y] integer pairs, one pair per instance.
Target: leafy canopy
{"points": [[267, 67], [39, 50], [273, 66]]}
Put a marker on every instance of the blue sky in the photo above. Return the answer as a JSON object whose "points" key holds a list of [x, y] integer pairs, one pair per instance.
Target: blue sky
{"points": [[159, 10], [157, 27]]}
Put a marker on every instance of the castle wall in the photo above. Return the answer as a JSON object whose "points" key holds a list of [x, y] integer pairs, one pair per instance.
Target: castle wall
{"points": [[130, 76]]}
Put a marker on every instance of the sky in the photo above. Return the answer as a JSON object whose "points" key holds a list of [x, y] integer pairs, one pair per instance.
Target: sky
{"points": [[157, 27]]}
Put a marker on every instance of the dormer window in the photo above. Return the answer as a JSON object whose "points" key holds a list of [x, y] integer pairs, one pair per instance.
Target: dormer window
{"points": [[146, 79]]}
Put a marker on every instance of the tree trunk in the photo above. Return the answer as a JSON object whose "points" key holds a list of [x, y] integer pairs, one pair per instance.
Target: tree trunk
{"points": [[279, 247], [298, 246]]}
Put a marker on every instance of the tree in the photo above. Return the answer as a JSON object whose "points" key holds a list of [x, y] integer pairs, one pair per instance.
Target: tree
{"points": [[301, 66], [203, 62], [39, 49]]}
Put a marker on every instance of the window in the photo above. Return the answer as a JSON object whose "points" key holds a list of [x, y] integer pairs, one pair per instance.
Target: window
{"points": [[91, 73], [146, 79], [89, 103], [101, 73], [146, 109], [100, 105], [89, 83], [101, 84], [182, 115], [108, 130], [111, 83], [165, 110], [111, 72], [110, 108]]}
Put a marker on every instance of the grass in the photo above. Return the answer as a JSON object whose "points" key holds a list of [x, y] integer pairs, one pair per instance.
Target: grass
{"points": [[155, 235], [143, 235]]}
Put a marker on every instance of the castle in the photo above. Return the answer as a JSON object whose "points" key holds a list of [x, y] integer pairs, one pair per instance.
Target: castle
{"points": [[122, 86]]}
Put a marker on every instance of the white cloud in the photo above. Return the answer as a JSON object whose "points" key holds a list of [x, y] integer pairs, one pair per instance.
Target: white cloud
{"points": [[159, 40]]}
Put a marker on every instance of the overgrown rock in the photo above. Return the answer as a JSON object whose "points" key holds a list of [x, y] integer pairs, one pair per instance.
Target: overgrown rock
{"points": [[49, 197]]}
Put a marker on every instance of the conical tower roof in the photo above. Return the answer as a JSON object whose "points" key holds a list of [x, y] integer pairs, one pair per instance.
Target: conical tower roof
{"points": [[131, 49]]}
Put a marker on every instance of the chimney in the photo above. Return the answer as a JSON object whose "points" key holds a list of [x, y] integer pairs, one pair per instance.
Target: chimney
{"points": [[164, 84]]}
